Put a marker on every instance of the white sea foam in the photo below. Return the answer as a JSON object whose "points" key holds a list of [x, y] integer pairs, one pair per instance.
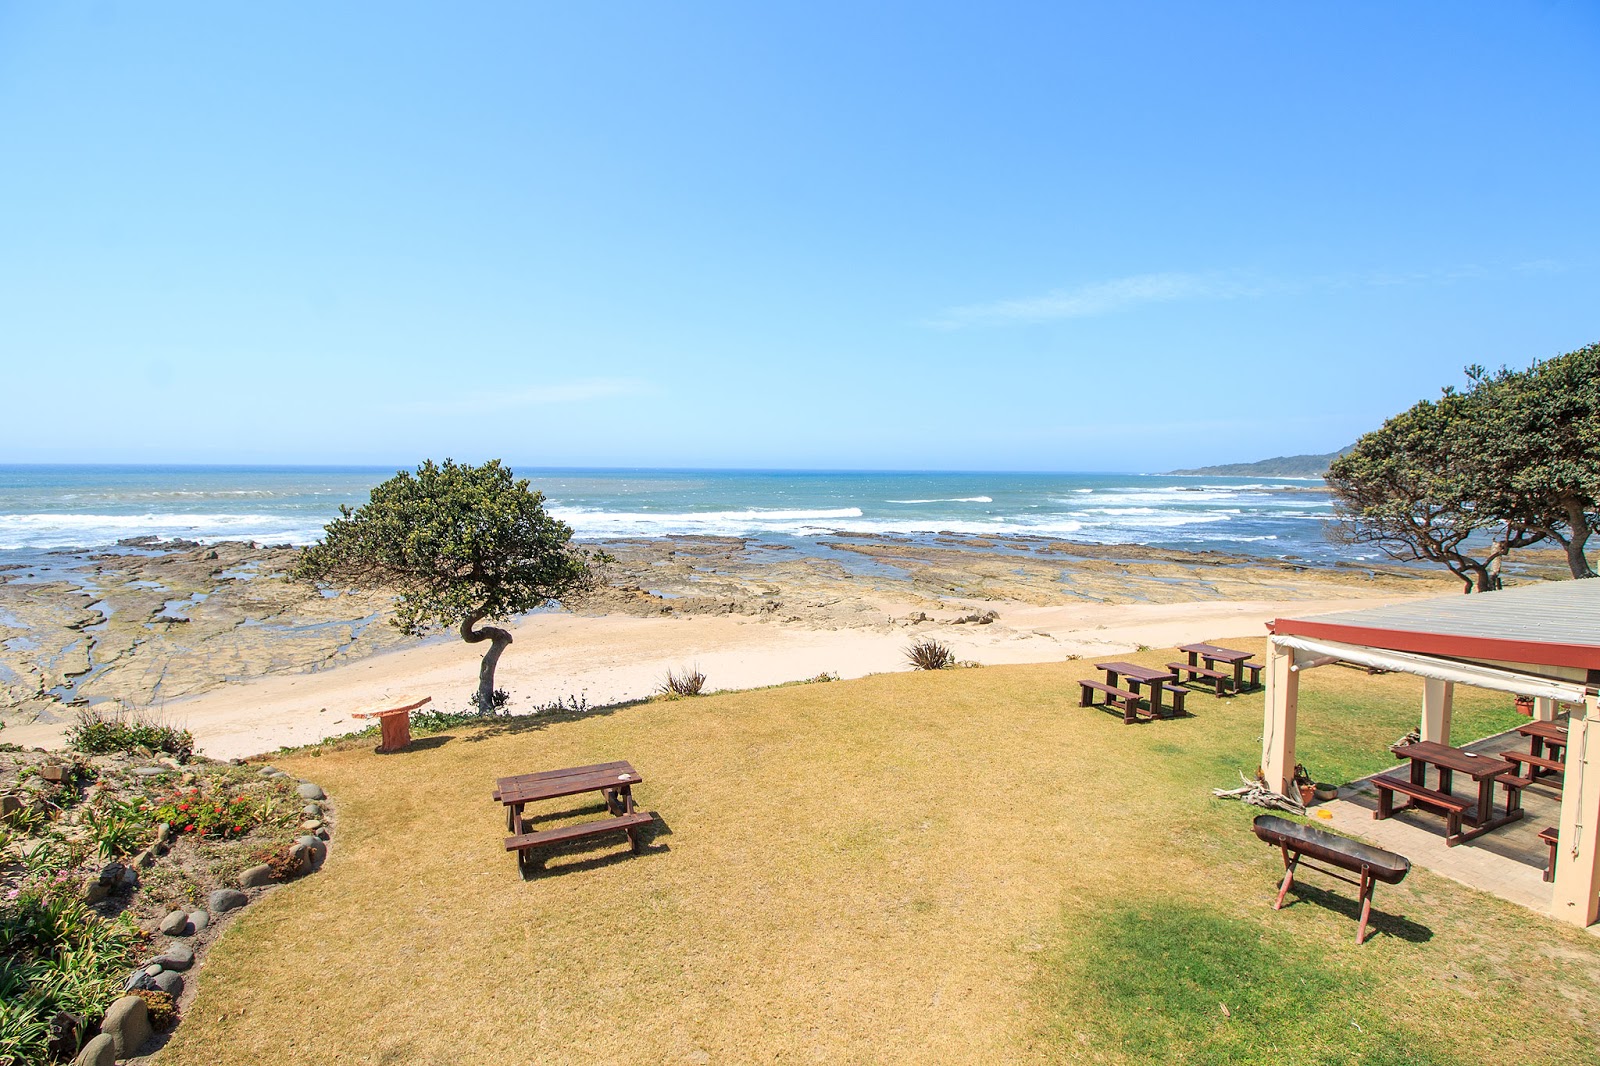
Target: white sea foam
{"points": [[98, 530], [953, 499]]}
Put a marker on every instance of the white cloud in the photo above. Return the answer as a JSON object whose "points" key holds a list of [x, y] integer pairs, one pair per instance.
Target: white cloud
{"points": [[513, 398], [1100, 298]]}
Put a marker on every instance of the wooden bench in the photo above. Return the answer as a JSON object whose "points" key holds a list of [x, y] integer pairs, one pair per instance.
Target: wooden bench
{"points": [[1178, 694], [1514, 786], [1255, 673], [1421, 796], [627, 823], [1552, 767], [1295, 842], [1221, 683], [1128, 700], [1550, 835]]}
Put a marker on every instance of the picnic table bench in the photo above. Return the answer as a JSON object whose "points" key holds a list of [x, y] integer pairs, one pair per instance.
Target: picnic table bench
{"points": [[1296, 841], [1486, 770], [1217, 678], [1547, 745], [1551, 836], [613, 780], [1157, 681], [1212, 655], [1551, 767]]}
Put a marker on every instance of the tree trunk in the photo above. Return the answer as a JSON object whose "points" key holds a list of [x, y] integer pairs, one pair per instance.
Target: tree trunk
{"points": [[1578, 522], [498, 640]]}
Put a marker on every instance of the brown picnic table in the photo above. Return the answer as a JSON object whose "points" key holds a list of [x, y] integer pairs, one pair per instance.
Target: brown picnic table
{"points": [[1212, 655], [1484, 769], [613, 780], [1155, 680], [1543, 735]]}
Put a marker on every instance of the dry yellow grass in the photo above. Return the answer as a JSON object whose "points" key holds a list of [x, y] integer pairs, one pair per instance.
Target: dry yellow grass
{"points": [[909, 867]]}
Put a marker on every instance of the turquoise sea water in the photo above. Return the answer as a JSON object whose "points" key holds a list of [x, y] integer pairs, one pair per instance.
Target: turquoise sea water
{"points": [[60, 507]]}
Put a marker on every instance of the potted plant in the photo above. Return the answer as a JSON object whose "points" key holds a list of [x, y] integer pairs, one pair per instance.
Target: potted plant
{"points": [[1525, 705], [1302, 780]]}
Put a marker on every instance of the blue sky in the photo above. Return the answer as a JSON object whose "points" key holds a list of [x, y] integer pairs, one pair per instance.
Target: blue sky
{"points": [[946, 236]]}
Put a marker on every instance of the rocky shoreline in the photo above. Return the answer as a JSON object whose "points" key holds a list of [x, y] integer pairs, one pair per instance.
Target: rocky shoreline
{"points": [[150, 622]]}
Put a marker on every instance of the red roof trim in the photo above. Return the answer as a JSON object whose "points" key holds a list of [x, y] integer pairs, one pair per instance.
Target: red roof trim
{"points": [[1456, 646]]}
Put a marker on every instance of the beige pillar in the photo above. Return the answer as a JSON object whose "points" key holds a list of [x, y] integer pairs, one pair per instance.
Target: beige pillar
{"points": [[1578, 851], [1278, 726], [1544, 709], [1437, 700]]}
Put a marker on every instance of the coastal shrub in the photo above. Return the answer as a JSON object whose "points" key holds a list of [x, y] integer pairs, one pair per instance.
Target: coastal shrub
{"points": [[98, 733], [929, 654], [56, 954], [163, 1011], [578, 704], [688, 683], [496, 701], [116, 826]]}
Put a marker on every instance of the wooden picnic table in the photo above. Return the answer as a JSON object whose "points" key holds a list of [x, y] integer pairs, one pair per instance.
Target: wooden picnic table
{"points": [[1138, 675], [613, 780], [1213, 655], [1484, 769], [1541, 734]]}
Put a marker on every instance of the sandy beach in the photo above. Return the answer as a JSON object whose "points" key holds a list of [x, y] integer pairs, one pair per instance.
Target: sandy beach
{"points": [[253, 662]]}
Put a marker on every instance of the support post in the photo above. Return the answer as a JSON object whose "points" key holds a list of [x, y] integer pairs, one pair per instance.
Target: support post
{"points": [[1544, 709], [1278, 725], [1578, 848], [1437, 699]]}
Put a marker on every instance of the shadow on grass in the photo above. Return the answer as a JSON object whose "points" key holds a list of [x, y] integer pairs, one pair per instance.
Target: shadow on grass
{"points": [[1382, 922], [600, 851], [490, 726]]}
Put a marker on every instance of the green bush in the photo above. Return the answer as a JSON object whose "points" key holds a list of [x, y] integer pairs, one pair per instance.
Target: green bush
{"points": [[56, 954], [97, 733]]}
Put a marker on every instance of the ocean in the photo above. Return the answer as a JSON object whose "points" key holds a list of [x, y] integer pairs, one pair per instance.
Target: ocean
{"points": [[51, 508]]}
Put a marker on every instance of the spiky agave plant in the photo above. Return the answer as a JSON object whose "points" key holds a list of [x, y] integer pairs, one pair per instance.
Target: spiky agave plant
{"points": [[929, 654]]}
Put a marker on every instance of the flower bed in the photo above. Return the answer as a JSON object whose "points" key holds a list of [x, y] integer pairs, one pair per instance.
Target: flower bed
{"points": [[114, 863]]}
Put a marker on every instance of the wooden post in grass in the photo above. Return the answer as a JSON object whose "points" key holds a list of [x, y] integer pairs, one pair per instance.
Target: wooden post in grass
{"points": [[1578, 846], [1282, 708], [395, 722]]}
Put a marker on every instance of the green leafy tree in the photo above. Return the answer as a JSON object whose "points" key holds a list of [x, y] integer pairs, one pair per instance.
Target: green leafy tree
{"points": [[1534, 436], [1511, 461], [1410, 489], [462, 545]]}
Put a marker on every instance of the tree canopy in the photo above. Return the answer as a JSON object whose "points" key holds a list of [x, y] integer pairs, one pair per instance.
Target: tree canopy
{"points": [[1512, 460], [462, 545]]}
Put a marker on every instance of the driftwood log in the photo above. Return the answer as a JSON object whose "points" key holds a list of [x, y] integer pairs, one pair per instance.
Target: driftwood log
{"points": [[1257, 794]]}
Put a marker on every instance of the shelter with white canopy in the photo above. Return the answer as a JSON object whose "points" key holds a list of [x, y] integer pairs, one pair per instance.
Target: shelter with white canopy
{"points": [[1535, 640]]}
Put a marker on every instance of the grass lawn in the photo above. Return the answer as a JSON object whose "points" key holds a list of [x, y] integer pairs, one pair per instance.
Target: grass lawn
{"points": [[953, 867]]}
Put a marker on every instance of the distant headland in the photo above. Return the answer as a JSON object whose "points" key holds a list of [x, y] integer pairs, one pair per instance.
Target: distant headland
{"points": [[1282, 466]]}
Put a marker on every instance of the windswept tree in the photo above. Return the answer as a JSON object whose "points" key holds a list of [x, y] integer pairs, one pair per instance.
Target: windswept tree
{"points": [[1511, 461], [1409, 489], [1535, 439], [462, 545]]}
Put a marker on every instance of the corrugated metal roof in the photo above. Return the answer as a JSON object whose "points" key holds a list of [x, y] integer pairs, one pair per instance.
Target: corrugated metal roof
{"points": [[1555, 622]]}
